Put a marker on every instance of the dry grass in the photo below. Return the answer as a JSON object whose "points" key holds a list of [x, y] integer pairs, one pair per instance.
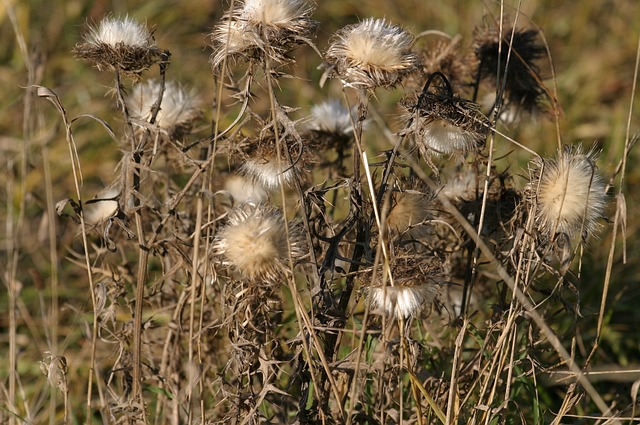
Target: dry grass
{"points": [[245, 258]]}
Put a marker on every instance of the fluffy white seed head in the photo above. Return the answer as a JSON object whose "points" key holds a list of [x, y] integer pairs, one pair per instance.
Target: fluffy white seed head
{"points": [[275, 12], [570, 194], [372, 53], [113, 31], [442, 137], [411, 210], [119, 44], [268, 172], [244, 190], [462, 186], [401, 301], [103, 207], [179, 107], [262, 28], [331, 117], [254, 242]]}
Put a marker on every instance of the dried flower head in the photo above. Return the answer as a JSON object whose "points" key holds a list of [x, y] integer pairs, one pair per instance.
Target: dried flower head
{"points": [[568, 192], [415, 284], [444, 56], [259, 28], [265, 167], [516, 54], [444, 124], [103, 207], [243, 190], [372, 53], [254, 242], [178, 110], [119, 44], [410, 210], [331, 123]]}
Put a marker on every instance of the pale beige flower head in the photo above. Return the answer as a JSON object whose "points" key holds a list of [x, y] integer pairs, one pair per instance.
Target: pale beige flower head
{"points": [[331, 124], [253, 243], [257, 29], [265, 167], [372, 53], [568, 192], [244, 190], [103, 207], [178, 110], [411, 210], [119, 44], [416, 284], [442, 124]]}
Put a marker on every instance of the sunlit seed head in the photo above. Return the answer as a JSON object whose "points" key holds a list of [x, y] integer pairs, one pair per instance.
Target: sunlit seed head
{"points": [[333, 118], [178, 110], [254, 242], [259, 29], [102, 208], [416, 283], [373, 53], [270, 167], [442, 137], [444, 125], [120, 44], [275, 12], [231, 38], [269, 172], [127, 31], [402, 301], [244, 190], [569, 192], [410, 212], [462, 186]]}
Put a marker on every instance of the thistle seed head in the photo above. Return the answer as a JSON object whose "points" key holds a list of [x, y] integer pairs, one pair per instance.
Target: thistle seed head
{"points": [[415, 285], [119, 44], [443, 124], [410, 210], [254, 242], [523, 50], [260, 28], [372, 53], [569, 193], [178, 110], [265, 168], [331, 124]]}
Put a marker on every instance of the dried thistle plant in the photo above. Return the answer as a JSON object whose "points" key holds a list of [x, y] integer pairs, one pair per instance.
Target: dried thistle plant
{"points": [[270, 166], [415, 283]]}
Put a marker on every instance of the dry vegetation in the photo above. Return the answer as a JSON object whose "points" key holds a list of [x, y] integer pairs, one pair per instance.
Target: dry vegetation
{"points": [[274, 211]]}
